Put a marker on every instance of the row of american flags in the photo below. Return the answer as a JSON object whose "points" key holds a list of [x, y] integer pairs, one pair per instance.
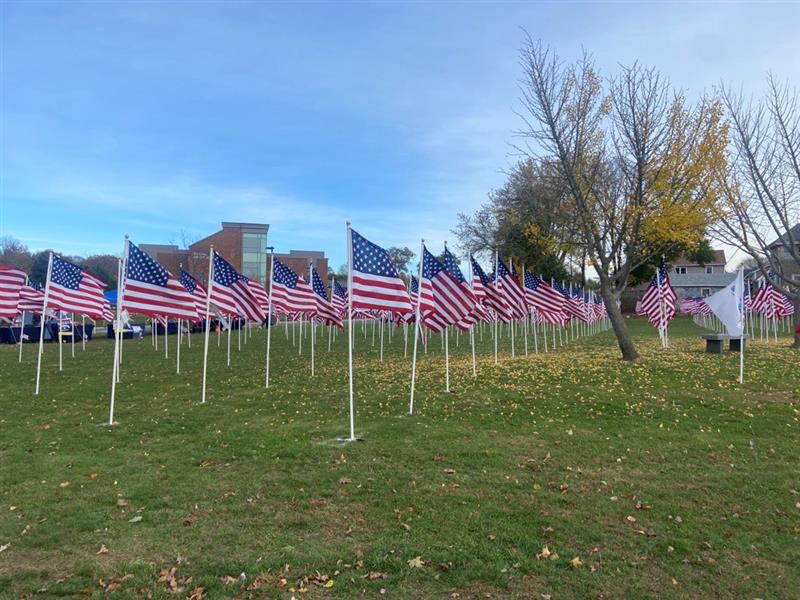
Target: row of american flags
{"points": [[767, 302], [659, 301], [447, 298]]}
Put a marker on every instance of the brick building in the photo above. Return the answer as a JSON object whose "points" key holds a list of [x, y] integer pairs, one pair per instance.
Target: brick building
{"points": [[299, 259], [244, 245]]}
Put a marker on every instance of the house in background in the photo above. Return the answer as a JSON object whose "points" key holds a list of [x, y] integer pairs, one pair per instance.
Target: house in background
{"points": [[690, 279], [780, 250]]}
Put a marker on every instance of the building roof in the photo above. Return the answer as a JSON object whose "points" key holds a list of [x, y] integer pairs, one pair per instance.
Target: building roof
{"points": [[252, 226], [720, 279], [719, 259], [794, 233], [160, 248], [302, 254]]}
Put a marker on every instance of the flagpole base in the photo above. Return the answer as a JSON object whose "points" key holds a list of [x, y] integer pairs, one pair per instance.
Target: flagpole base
{"points": [[347, 438]]}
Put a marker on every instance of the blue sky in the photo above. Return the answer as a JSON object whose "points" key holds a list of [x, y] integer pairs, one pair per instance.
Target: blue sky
{"points": [[153, 118]]}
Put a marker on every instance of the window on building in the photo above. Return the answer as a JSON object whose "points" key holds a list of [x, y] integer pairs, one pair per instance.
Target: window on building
{"points": [[254, 256], [796, 277], [680, 270], [709, 270], [705, 292]]}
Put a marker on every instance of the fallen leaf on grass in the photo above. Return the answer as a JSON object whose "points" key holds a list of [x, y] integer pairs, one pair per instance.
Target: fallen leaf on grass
{"points": [[228, 580], [135, 519], [546, 553], [416, 562], [646, 532], [103, 550], [94, 475], [375, 575], [5, 547], [345, 480], [196, 594], [63, 484], [122, 503], [576, 562]]}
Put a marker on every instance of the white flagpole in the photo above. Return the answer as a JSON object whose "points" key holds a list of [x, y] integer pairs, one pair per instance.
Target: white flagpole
{"points": [[312, 321], [72, 331], [208, 319], [22, 326], [178, 368], [740, 292], [43, 319], [535, 338], [269, 316], [330, 328], [60, 345], [472, 327], [527, 311], [382, 328], [166, 339], [417, 329], [496, 319], [350, 329], [118, 323], [83, 333], [117, 327], [230, 326]]}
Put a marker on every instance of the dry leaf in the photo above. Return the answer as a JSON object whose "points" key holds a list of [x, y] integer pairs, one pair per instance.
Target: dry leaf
{"points": [[375, 575], [575, 562], [228, 580], [196, 594], [416, 562], [63, 484], [103, 550], [345, 480]]}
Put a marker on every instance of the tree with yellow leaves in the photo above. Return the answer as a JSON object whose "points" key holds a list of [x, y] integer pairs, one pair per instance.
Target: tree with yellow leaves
{"points": [[638, 162]]}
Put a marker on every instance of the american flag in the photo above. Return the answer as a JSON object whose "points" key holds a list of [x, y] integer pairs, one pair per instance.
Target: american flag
{"points": [[73, 290], [149, 289], [478, 312], [509, 286], [108, 313], [693, 306], [573, 307], [11, 281], [443, 299], [231, 293], [197, 292], [290, 292], [495, 299], [659, 293], [376, 283], [259, 293], [339, 298], [31, 298], [547, 301], [771, 303], [325, 310]]}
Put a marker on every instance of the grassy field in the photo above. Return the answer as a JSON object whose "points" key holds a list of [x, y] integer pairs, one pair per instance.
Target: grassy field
{"points": [[561, 475]]}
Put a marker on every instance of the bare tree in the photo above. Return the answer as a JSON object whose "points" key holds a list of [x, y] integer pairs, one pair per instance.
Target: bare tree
{"points": [[524, 219], [634, 161], [761, 211]]}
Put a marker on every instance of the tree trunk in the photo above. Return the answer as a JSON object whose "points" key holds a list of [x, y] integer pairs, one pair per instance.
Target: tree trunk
{"points": [[618, 323], [796, 320]]}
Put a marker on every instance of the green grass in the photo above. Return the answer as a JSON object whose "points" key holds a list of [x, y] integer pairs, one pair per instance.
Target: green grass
{"points": [[666, 477]]}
